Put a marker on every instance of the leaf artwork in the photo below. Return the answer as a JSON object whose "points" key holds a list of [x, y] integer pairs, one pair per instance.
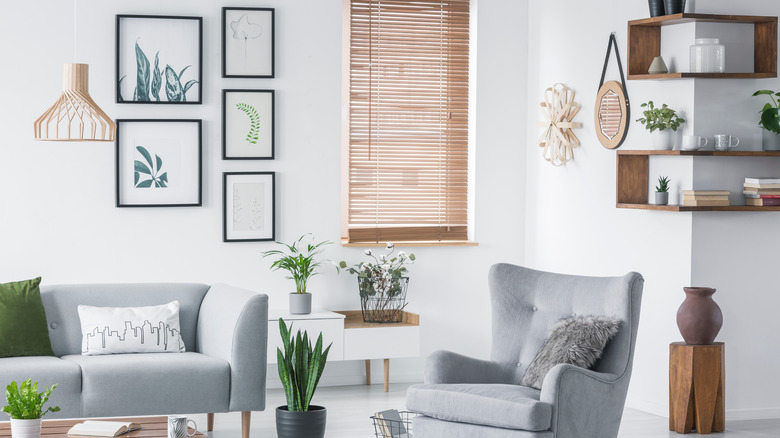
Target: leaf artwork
{"points": [[119, 88], [150, 169], [254, 122], [238, 210], [173, 88], [156, 77], [142, 81], [257, 215]]}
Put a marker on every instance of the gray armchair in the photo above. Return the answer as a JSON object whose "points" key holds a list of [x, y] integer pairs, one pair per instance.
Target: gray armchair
{"points": [[466, 397]]}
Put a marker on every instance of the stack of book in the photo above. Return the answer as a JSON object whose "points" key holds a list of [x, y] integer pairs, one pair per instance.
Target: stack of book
{"points": [[705, 198], [762, 192]]}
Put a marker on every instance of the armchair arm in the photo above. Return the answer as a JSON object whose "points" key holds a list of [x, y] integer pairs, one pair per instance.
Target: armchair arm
{"points": [[448, 367], [586, 403], [233, 326]]}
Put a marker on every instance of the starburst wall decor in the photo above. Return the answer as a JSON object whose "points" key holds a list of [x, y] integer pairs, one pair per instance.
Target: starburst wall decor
{"points": [[558, 109]]}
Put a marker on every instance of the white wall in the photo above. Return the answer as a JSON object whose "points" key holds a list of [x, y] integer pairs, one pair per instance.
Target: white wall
{"points": [[573, 226], [58, 218]]}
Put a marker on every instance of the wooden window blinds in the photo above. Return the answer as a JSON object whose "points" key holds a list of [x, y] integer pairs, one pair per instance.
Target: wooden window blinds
{"points": [[408, 120]]}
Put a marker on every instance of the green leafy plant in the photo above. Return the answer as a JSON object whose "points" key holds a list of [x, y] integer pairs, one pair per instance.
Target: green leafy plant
{"points": [[299, 259], [254, 120], [663, 184], [662, 118], [173, 87], [150, 81], [770, 113], [383, 275], [300, 366], [151, 168], [24, 401]]}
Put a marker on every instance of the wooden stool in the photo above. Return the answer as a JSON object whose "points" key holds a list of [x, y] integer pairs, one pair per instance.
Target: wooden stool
{"points": [[696, 378]]}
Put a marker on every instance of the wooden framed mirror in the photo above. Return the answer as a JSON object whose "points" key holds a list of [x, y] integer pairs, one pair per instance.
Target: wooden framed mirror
{"points": [[611, 115]]}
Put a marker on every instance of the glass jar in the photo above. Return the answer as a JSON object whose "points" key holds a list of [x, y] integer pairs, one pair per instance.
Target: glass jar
{"points": [[707, 56]]}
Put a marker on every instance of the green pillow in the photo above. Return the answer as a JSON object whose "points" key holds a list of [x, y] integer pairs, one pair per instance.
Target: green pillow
{"points": [[23, 330]]}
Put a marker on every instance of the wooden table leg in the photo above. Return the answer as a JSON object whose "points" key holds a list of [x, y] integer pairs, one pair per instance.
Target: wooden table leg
{"points": [[368, 372], [209, 422], [387, 375]]}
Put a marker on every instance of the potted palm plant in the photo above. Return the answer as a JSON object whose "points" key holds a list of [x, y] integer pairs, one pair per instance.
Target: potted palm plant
{"points": [[300, 368], [299, 259], [25, 407], [770, 121], [662, 191], [662, 123]]}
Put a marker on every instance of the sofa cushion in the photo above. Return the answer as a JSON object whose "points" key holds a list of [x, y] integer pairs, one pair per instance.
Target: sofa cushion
{"points": [[47, 370], [153, 384], [507, 406], [23, 329], [145, 329]]}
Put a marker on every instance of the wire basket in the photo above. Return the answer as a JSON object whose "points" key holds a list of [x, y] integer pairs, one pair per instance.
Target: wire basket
{"points": [[383, 301], [387, 428]]}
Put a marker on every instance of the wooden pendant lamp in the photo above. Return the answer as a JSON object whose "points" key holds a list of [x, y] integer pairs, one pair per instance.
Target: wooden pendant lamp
{"points": [[75, 116]]}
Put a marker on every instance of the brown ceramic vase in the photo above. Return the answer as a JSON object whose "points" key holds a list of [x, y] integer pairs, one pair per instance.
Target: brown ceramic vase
{"points": [[699, 317]]}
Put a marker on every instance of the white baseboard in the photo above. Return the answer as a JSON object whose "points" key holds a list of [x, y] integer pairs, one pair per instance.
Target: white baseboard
{"points": [[731, 414], [273, 382]]}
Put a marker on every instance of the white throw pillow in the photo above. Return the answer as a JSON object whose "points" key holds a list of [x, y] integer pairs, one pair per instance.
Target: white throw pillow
{"points": [[150, 329]]}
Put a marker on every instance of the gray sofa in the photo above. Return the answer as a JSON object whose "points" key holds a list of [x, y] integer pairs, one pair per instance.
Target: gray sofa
{"points": [[464, 397], [224, 330]]}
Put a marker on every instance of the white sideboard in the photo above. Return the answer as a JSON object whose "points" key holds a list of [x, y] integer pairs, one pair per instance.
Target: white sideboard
{"points": [[352, 338]]}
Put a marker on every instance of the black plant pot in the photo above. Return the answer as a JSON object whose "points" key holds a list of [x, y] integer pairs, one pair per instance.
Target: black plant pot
{"points": [[656, 8], [301, 424], [674, 6]]}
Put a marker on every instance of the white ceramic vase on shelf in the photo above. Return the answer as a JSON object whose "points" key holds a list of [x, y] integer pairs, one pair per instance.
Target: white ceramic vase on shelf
{"points": [[26, 428], [663, 140]]}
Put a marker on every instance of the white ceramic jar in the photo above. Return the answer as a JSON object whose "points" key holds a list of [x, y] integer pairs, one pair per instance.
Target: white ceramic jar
{"points": [[708, 56]]}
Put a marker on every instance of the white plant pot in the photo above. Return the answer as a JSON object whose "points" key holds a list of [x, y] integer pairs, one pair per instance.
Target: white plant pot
{"points": [[26, 428], [663, 140]]}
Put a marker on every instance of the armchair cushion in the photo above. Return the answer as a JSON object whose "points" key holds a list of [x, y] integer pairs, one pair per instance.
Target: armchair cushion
{"points": [[496, 405], [577, 340]]}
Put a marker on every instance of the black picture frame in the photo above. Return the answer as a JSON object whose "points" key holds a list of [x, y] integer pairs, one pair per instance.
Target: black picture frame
{"points": [[262, 52], [247, 131], [158, 137], [176, 28], [256, 224]]}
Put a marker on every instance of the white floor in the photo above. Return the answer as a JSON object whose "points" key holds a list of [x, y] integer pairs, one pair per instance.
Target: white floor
{"points": [[350, 409]]}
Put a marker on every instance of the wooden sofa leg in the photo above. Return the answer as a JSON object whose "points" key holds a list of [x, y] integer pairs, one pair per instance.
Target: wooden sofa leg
{"points": [[246, 416], [210, 422]]}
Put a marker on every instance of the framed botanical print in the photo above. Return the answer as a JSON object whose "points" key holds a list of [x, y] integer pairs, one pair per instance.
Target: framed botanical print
{"points": [[158, 163], [159, 59], [248, 42], [248, 206], [247, 124]]}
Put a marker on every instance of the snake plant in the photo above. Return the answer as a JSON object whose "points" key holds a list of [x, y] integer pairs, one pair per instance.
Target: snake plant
{"points": [[300, 367]]}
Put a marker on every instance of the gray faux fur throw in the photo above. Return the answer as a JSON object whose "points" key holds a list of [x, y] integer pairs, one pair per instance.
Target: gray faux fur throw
{"points": [[576, 340]]}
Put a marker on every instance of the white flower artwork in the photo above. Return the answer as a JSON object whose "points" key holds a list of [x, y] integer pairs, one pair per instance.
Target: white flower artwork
{"points": [[248, 42]]}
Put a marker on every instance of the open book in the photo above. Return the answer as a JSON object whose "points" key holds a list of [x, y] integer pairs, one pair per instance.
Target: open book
{"points": [[103, 428]]}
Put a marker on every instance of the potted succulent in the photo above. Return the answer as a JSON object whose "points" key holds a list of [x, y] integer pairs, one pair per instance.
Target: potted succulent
{"points": [[25, 407], [382, 284], [662, 191], [300, 368], [662, 123], [770, 121], [300, 260]]}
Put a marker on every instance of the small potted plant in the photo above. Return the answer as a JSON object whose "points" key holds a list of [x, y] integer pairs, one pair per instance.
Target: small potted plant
{"points": [[300, 260], [770, 121], [25, 407], [300, 368], [662, 191], [662, 123], [382, 284]]}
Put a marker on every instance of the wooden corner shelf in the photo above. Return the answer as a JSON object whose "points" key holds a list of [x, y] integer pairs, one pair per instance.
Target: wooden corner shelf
{"points": [[633, 169], [644, 44]]}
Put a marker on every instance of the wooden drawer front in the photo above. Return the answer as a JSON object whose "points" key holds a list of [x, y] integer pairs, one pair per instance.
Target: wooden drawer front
{"points": [[381, 343], [332, 331]]}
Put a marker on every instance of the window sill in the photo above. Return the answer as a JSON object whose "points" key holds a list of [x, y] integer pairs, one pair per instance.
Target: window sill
{"points": [[346, 243]]}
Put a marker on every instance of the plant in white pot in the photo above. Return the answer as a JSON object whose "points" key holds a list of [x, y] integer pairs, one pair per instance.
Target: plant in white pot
{"points": [[662, 123], [662, 191], [770, 121], [25, 407], [299, 259], [300, 368]]}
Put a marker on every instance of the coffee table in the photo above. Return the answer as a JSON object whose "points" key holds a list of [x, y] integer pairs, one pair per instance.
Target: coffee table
{"points": [[151, 427]]}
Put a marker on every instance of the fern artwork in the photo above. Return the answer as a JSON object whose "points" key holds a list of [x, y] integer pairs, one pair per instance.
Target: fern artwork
{"points": [[254, 122], [149, 173], [167, 79]]}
